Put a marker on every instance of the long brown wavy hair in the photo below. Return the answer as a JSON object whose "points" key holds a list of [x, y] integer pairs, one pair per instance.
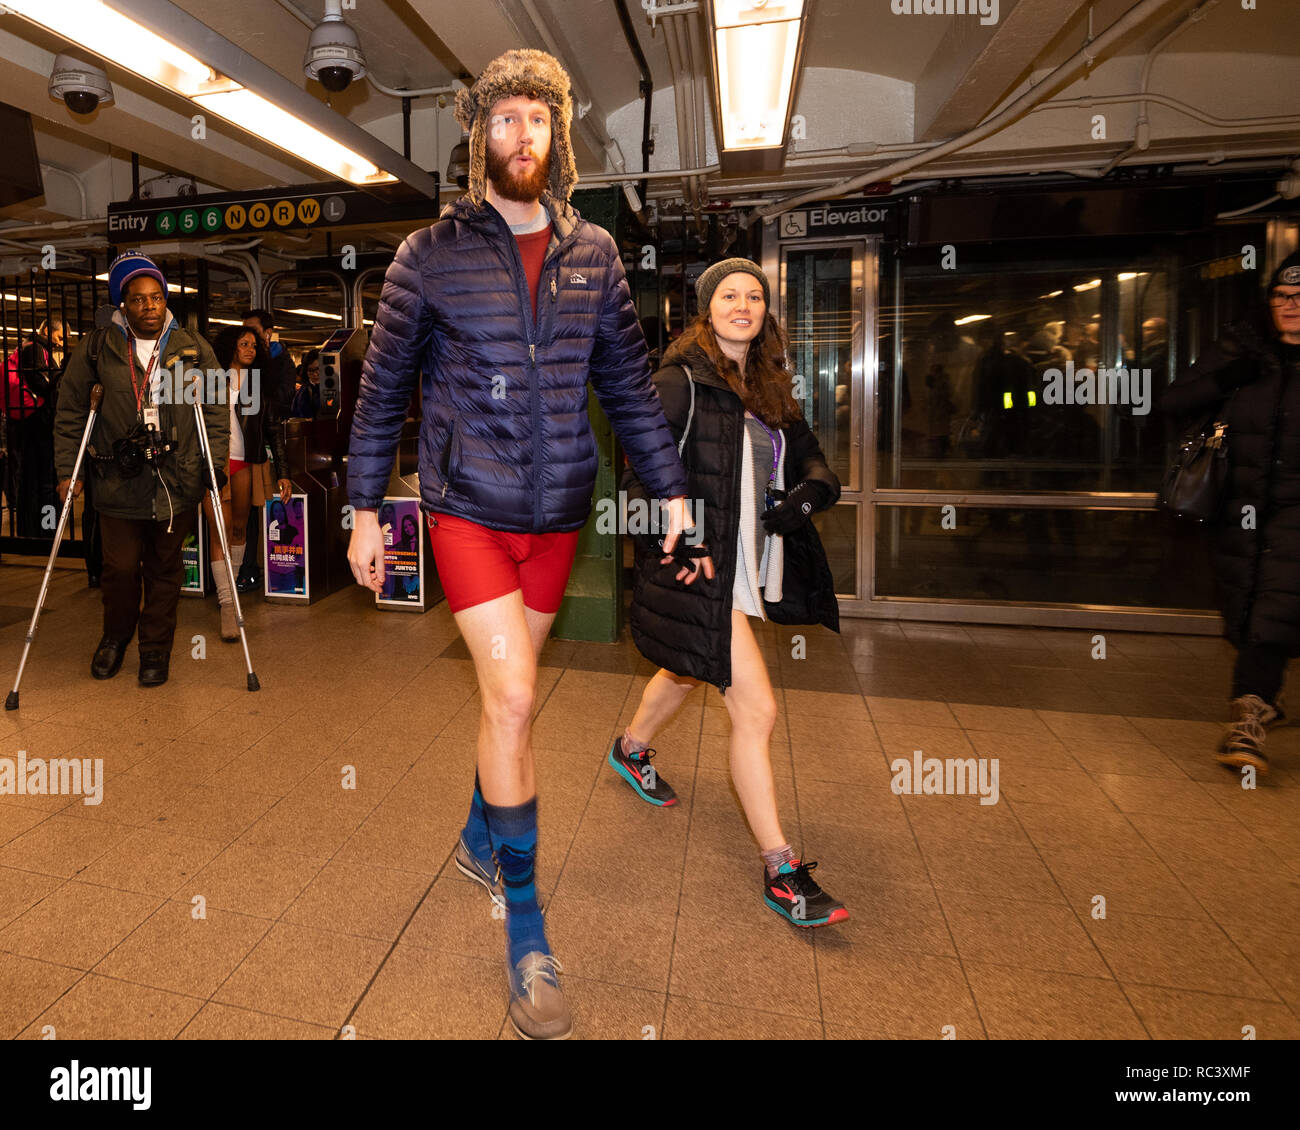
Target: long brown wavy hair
{"points": [[765, 388]]}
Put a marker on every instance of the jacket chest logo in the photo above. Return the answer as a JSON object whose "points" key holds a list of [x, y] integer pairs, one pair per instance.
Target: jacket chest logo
{"points": [[577, 279]]}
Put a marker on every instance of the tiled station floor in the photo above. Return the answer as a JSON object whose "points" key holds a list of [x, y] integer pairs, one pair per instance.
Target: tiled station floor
{"points": [[229, 886]]}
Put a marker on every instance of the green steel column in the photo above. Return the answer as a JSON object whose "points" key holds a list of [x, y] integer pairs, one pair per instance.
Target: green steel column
{"points": [[593, 602]]}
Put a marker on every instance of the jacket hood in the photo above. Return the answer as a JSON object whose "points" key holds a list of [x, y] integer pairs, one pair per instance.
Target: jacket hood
{"points": [[169, 323], [534, 74]]}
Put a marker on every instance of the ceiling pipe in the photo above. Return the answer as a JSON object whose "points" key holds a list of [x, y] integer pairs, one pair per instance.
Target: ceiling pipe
{"points": [[1142, 128], [1036, 94], [703, 85], [172, 23], [647, 86], [1283, 121]]}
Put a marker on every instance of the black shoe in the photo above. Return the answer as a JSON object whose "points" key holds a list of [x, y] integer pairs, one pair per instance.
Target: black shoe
{"points": [[153, 668], [108, 656], [794, 895], [637, 771], [248, 582]]}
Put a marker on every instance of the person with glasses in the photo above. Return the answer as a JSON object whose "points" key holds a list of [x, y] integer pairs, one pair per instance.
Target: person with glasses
{"points": [[1251, 376], [143, 458]]}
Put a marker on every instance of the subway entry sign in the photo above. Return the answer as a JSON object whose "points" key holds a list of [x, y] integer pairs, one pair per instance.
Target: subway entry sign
{"points": [[332, 204]]}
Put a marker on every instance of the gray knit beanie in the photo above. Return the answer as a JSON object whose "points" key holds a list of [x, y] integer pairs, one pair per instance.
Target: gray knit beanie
{"points": [[707, 283], [534, 74]]}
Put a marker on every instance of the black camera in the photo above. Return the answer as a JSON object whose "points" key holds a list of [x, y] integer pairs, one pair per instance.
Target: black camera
{"points": [[144, 446]]}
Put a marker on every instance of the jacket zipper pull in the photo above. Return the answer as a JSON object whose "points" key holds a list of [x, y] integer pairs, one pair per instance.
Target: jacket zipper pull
{"points": [[532, 354], [552, 288]]}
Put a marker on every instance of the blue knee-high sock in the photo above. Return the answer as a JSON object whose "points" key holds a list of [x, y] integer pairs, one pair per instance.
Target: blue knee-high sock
{"points": [[513, 831], [476, 829]]}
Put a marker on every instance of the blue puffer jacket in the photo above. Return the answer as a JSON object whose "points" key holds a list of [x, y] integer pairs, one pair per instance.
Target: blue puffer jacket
{"points": [[505, 440]]}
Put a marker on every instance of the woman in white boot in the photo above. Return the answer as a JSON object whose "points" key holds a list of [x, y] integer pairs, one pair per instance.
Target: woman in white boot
{"points": [[254, 424]]}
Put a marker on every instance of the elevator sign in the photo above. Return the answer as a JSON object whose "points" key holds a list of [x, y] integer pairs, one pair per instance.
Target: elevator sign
{"points": [[243, 213], [839, 217]]}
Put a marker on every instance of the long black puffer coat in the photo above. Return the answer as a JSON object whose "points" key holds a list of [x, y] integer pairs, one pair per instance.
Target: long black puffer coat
{"points": [[687, 628], [1256, 551]]}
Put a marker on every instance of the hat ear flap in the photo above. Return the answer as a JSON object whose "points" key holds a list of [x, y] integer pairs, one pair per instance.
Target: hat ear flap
{"points": [[477, 189], [464, 107]]}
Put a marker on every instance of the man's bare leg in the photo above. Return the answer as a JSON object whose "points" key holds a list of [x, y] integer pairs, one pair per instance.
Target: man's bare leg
{"points": [[504, 638]]}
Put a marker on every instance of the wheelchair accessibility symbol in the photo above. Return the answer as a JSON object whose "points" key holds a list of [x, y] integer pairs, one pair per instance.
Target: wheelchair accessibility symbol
{"points": [[794, 225]]}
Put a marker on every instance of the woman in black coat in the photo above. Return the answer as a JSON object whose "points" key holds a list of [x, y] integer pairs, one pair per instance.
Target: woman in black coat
{"points": [[1251, 379], [757, 476], [254, 423]]}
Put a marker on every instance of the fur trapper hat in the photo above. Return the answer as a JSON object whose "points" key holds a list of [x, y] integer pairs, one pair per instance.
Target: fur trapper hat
{"points": [[534, 74]]}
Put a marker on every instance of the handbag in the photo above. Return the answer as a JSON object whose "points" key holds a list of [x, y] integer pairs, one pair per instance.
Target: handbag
{"points": [[1194, 482]]}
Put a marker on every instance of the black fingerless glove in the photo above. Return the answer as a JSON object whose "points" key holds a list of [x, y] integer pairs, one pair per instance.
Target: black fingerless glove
{"points": [[797, 508], [685, 554], [221, 478]]}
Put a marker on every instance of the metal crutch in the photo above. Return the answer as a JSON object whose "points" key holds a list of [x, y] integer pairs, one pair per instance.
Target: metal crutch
{"points": [[215, 494], [96, 398]]}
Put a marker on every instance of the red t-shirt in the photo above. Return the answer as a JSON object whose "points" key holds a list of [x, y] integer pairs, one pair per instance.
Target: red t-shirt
{"points": [[532, 250]]}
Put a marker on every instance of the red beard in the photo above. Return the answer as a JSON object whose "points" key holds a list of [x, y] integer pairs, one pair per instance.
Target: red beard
{"points": [[522, 188]]}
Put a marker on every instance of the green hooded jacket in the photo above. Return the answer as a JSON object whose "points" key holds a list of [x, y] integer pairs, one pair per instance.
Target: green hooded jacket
{"points": [[180, 484]]}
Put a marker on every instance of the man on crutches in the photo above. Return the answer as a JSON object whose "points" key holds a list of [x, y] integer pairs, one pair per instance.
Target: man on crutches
{"points": [[146, 456]]}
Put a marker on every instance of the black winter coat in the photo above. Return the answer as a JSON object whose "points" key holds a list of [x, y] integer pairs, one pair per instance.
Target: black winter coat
{"points": [[687, 629], [1257, 569]]}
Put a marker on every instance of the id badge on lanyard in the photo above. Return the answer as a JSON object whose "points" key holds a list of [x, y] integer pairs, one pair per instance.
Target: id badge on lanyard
{"points": [[144, 401]]}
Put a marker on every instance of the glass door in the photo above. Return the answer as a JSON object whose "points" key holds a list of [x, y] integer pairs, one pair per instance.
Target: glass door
{"points": [[826, 301]]}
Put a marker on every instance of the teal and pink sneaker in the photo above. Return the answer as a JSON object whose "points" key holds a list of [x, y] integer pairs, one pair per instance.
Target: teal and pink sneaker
{"points": [[794, 895], [637, 771]]}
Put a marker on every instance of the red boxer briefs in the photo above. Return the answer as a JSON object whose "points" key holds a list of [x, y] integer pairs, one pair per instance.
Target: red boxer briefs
{"points": [[476, 564]]}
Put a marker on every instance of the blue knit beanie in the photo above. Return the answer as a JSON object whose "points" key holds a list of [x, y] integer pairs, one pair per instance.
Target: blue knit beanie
{"points": [[127, 266]]}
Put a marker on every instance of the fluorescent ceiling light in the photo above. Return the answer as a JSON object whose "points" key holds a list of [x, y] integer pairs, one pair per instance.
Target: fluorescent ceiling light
{"points": [[259, 116], [114, 37], [120, 40], [1089, 285], [1052, 294], [972, 318], [756, 48], [323, 314]]}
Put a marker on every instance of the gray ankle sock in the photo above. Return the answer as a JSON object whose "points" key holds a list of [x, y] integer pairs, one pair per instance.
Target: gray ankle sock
{"points": [[630, 746], [776, 856]]}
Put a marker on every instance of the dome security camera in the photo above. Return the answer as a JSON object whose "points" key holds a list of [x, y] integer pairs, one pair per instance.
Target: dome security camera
{"points": [[81, 85], [334, 56]]}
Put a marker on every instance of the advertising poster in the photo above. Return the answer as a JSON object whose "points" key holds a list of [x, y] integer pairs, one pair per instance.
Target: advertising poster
{"points": [[400, 520], [284, 534], [194, 556]]}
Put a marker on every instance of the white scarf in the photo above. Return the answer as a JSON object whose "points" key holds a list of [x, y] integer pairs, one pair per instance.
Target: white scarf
{"points": [[771, 567]]}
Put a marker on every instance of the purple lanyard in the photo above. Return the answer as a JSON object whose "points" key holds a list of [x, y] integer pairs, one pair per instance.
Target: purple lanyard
{"points": [[776, 450]]}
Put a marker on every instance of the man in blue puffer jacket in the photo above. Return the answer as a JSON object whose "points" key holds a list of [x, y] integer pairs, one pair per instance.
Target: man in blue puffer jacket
{"points": [[507, 306]]}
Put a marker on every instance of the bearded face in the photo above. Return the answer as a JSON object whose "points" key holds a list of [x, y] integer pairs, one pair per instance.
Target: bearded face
{"points": [[513, 183]]}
